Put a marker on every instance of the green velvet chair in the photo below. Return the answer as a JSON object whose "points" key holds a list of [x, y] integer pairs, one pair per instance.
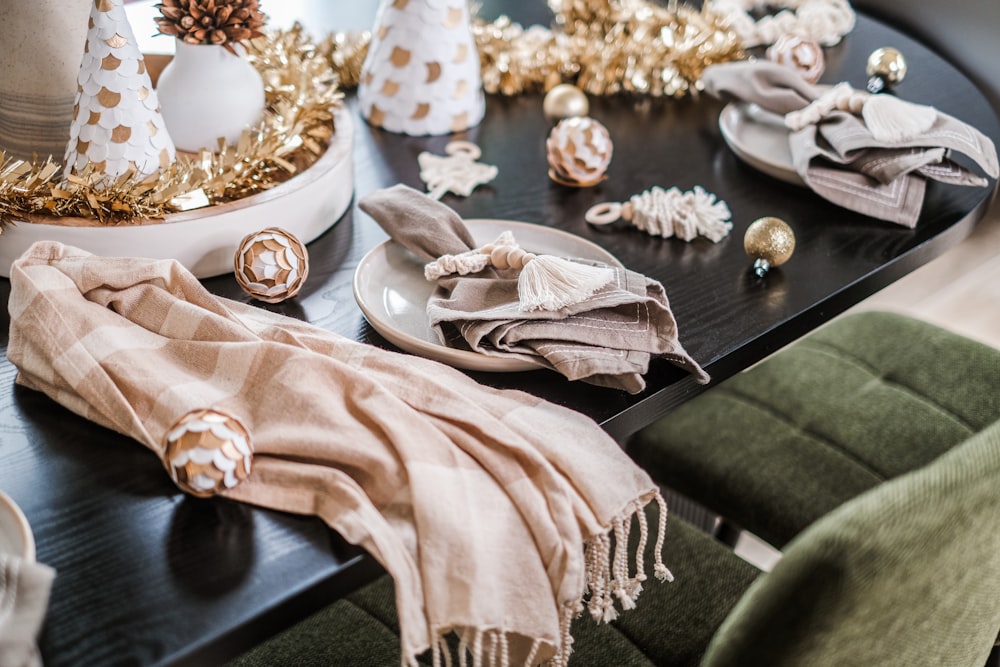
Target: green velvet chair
{"points": [[867, 398], [907, 573]]}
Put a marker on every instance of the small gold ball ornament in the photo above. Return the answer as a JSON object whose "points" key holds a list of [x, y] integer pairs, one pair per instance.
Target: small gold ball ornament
{"points": [[565, 101], [207, 451], [770, 242], [271, 265], [579, 151], [885, 68]]}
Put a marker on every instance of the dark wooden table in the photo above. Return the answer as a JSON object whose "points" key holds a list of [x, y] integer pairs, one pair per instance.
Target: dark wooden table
{"points": [[147, 576]]}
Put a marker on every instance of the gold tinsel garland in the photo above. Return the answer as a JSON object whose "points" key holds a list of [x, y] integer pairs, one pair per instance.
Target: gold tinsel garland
{"points": [[302, 91], [605, 47]]}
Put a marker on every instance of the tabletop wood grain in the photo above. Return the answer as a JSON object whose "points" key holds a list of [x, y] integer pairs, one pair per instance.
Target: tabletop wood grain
{"points": [[147, 576]]}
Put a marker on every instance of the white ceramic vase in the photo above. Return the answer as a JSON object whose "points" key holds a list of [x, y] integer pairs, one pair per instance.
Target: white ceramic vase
{"points": [[206, 93]]}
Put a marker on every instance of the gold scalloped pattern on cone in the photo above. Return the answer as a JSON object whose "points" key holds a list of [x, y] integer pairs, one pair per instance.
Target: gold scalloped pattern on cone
{"points": [[115, 105]]}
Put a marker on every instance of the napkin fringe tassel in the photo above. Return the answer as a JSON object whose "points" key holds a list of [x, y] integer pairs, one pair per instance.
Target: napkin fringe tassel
{"points": [[606, 579], [548, 282]]}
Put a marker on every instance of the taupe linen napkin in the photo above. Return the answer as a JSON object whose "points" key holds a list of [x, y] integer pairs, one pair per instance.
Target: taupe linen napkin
{"points": [[841, 159], [606, 339], [480, 503], [24, 598]]}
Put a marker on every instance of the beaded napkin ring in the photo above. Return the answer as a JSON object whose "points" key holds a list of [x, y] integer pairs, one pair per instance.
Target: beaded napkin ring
{"points": [[888, 118], [546, 282], [666, 213]]}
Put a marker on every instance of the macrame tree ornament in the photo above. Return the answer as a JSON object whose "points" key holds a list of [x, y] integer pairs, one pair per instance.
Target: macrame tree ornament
{"points": [[117, 127], [545, 282], [669, 212], [421, 75]]}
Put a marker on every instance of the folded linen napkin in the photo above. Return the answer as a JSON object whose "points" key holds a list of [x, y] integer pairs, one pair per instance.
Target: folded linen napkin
{"points": [[491, 509], [868, 153], [24, 598], [607, 338]]}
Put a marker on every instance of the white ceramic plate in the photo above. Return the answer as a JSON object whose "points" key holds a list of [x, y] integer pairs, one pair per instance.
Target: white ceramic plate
{"points": [[15, 533], [390, 288], [759, 138]]}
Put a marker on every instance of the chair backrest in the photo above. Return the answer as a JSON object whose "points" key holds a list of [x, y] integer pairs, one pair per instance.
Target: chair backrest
{"points": [[905, 574]]}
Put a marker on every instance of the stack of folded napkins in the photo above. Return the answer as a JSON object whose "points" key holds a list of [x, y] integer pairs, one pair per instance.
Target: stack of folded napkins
{"points": [[606, 338], [868, 153]]}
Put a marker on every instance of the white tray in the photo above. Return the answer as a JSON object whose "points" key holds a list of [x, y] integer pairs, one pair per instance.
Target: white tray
{"points": [[204, 240]]}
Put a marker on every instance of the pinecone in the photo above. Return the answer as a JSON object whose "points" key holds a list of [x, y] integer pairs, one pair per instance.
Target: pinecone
{"points": [[220, 22]]}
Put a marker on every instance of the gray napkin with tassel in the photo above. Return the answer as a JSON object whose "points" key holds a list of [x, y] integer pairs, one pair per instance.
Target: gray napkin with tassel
{"points": [[867, 153], [24, 598], [606, 338]]}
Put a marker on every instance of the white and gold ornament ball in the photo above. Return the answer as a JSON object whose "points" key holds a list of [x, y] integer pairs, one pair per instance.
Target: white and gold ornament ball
{"points": [[117, 125], [271, 265], [207, 451], [579, 150], [800, 53], [421, 75]]}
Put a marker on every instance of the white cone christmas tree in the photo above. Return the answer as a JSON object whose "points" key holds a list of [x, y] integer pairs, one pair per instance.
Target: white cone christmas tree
{"points": [[117, 124], [421, 75]]}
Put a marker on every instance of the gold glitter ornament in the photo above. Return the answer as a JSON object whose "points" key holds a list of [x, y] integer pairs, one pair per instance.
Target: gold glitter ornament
{"points": [[770, 242], [885, 68], [579, 151], [207, 451], [565, 101], [271, 265]]}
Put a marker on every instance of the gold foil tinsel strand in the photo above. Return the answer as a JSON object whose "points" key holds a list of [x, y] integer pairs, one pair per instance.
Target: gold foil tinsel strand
{"points": [[302, 92], [605, 47]]}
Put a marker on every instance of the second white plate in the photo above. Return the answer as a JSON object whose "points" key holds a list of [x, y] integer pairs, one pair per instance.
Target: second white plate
{"points": [[759, 138], [390, 288]]}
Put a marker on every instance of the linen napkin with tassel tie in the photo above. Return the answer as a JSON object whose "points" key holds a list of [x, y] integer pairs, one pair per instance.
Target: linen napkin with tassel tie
{"points": [[598, 324], [491, 509], [868, 153]]}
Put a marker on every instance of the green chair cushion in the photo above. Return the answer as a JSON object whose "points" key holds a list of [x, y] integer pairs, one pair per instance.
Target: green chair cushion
{"points": [[862, 400], [671, 626], [905, 574]]}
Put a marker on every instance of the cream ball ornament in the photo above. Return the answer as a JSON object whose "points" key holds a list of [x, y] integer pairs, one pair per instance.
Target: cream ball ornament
{"points": [[800, 53], [565, 101]]}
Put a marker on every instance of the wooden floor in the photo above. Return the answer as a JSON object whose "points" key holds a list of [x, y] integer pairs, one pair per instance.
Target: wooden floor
{"points": [[959, 290]]}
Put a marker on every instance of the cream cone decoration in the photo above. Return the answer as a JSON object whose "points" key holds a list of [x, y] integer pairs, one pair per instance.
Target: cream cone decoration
{"points": [[117, 124], [421, 75]]}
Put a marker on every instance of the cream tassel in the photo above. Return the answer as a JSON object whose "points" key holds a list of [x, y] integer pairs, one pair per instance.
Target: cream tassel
{"points": [[660, 570], [551, 283], [892, 120]]}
